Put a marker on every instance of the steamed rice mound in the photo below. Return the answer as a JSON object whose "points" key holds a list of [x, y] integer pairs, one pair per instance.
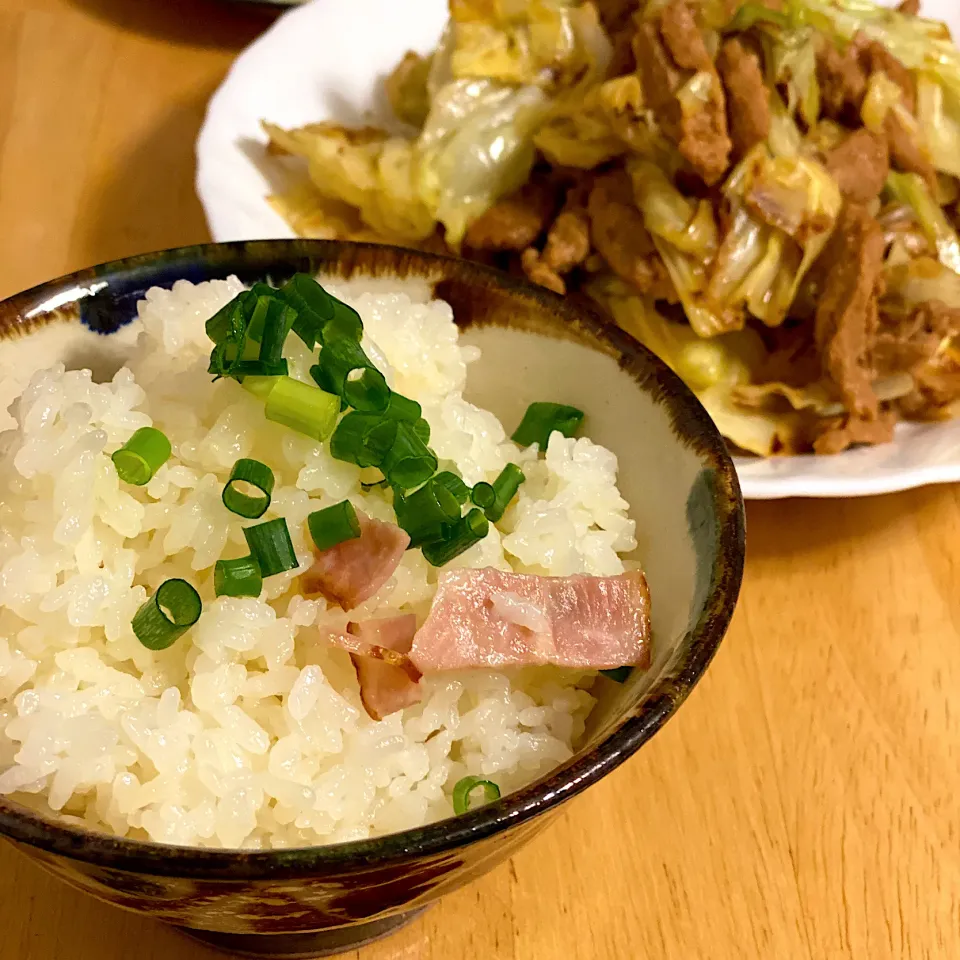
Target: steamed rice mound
{"points": [[249, 731]]}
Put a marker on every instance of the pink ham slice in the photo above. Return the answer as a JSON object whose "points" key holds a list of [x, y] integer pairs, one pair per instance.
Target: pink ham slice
{"points": [[353, 571], [378, 648], [487, 618]]}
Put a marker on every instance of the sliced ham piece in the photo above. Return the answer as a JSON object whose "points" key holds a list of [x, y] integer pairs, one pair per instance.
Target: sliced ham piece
{"points": [[378, 649], [487, 618], [353, 571]]}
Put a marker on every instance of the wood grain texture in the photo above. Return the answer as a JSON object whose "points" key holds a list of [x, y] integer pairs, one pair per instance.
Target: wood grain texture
{"points": [[801, 804]]}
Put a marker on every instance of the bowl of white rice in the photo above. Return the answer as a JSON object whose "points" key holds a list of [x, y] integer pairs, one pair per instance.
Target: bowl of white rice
{"points": [[230, 772]]}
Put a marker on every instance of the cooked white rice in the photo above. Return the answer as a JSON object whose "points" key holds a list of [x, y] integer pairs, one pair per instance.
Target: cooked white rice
{"points": [[249, 731]]}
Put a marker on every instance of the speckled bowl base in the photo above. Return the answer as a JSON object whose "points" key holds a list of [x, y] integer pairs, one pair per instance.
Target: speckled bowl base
{"points": [[303, 946]]}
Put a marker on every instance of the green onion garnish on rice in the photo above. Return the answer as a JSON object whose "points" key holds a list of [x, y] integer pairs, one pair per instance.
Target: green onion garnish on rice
{"points": [[541, 419], [461, 536], [505, 488], [454, 484], [483, 495], [237, 578], [338, 359], [258, 368], [250, 473], [271, 547], [617, 674], [303, 408], [365, 388], [142, 456], [363, 439], [464, 789], [276, 319], [333, 525], [167, 615], [422, 429], [402, 408], [427, 513], [314, 307], [409, 462]]}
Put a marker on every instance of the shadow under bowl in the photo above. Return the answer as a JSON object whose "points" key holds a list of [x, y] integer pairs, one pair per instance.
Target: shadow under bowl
{"points": [[674, 471]]}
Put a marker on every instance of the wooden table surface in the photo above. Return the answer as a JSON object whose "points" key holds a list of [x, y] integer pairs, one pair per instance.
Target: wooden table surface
{"points": [[803, 803]]}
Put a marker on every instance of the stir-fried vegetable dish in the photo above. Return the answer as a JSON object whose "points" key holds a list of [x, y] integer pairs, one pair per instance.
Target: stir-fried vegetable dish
{"points": [[765, 193]]}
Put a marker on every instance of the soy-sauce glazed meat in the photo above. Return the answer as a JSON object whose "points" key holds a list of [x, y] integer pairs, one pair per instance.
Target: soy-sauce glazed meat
{"points": [[765, 192]]}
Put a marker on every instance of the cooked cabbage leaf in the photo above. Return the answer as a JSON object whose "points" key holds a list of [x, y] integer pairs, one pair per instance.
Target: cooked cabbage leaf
{"points": [[366, 168], [476, 146]]}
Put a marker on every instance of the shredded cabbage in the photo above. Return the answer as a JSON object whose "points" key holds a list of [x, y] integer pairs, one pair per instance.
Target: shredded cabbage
{"points": [[939, 114], [911, 188], [784, 211], [366, 168], [539, 42], [476, 146]]}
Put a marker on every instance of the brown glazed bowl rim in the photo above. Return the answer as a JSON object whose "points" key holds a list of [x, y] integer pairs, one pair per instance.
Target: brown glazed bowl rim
{"points": [[691, 425]]}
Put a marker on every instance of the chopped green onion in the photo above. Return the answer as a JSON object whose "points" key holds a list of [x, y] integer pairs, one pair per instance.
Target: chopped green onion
{"points": [[454, 484], [363, 439], [505, 488], [334, 525], [541, 419], [258, 368], [346, 323], [142, 456], [483, 495], [314, 307], [339, 358], [422, 429], [228, 321], [231, 327], [256, 474], [366, 389], [462, 535], [410, 461], [427, 512], [617, 674], [260, 387], [464, 788], [277, 318], [303, 408], [237, 578], [167, 615], [271, 547], [250, 300], [402, 408]]}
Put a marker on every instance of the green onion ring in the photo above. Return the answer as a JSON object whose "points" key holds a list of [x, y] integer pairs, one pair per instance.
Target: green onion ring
{"points": [[167, 615], [255, 473]]}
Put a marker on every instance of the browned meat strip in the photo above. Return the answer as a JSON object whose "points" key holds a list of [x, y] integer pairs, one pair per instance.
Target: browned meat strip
{"points": [[846, 320], [835, 434], [668, 54], [748, 99], [910, 7], [683, 38], [876, 57], [620, 237], [568, 245], [516, 221], [860, 165], [843, 81]]}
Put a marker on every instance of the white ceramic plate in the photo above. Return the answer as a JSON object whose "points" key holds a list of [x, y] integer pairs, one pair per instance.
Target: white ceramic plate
{"points": [[326, 60]]}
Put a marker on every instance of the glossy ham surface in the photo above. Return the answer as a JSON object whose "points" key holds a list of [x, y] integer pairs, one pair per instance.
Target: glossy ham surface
{"points": [[353, 571], [488, 618]]}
